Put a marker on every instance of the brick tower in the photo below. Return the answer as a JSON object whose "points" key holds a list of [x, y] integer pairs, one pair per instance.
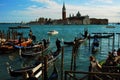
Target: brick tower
{"points": [[63, 12]]}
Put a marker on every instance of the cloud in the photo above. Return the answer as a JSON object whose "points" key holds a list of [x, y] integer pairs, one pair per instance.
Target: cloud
{"points": [[52, 9], [103, 1], [48, 3]]}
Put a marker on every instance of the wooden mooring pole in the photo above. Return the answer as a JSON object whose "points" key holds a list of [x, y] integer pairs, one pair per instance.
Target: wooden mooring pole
{"points": [[113, 44], [45, 68], [89, 42], [62, 63], [118, 40], [108, 43], [100, 43]]}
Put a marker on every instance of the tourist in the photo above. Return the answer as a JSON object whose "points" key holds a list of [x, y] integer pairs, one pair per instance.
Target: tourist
{"points": [[110, 59], [94, 65], [115, 53], [118, 52]]}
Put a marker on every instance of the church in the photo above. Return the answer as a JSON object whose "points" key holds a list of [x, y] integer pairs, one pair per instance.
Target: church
{"points": [[77, 19]]}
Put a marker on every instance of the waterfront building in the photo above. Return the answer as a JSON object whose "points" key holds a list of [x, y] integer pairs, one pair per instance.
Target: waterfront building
{"points": [[98, 21], [78, 19]]}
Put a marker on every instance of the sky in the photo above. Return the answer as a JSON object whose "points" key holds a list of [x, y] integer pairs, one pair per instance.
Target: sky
{"points": [[31, 10]]}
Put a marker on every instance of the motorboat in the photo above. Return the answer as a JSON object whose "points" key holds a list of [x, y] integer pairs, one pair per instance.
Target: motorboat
{"points": [[109, 26], [53, 32]]}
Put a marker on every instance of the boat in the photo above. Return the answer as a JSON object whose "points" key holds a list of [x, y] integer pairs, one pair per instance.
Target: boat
{"points": [[22, 71], [14, 45], [6, 47], [54, 56], [53, 32], [33, 52], [54, 75], [24, 44], [69, 43], [110, 26], [35, 68], [106, 35], [95, 45], [19, 27], [36, 50]]}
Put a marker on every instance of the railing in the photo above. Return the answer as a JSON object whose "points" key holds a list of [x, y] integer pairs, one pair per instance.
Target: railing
{"points": [[91, 75]]}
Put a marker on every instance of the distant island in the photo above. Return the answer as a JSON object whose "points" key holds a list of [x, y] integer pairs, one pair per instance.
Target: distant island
{"points": [[71, 20], [76, 19]]}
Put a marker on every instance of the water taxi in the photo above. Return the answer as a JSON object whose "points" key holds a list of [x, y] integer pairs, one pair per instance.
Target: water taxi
{"points": [[53, 32]]}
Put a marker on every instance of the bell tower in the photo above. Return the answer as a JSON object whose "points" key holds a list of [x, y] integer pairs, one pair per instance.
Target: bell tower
{"points": [[63, 12]]}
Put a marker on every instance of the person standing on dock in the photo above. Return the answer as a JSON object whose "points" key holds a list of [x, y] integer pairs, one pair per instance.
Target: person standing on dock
{"points": [[58, 44], [94, 65], [115, 53]]}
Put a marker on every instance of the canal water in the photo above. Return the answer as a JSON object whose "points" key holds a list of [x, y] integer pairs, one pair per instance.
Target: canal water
{"points": [[66, 33]]}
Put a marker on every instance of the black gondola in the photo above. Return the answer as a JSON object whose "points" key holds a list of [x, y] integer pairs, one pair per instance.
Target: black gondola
{"points": [[101, 36], [37, 49], [54, 75], [69, 43], [22, 71], [36, 68], [33, 53]]}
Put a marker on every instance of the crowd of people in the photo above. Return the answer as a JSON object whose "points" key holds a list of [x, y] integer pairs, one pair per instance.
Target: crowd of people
{"points": [[113, 58], [111, 64]]}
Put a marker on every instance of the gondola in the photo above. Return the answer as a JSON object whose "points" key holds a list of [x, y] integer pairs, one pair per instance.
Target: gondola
{"points": [[54, 75], [36, 68], [69, 43], [101, 36], [25, 44], [54, 55], [22, 71], [6, 47], [32, 53], [37, 49]]}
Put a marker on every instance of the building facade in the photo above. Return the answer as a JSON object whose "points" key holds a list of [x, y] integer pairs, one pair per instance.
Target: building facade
{"points": [[78, 19]]}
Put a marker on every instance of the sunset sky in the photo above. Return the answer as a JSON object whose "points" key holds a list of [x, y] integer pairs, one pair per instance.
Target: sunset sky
{"points": [[30, 10]]}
